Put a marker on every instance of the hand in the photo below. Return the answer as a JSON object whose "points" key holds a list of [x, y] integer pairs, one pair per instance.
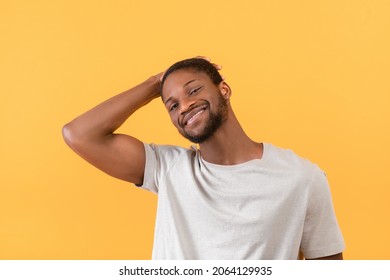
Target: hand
{"points": [[217, 66]]}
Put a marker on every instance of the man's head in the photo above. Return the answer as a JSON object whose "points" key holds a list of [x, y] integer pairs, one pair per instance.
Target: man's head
{"points": [[196, 98]]}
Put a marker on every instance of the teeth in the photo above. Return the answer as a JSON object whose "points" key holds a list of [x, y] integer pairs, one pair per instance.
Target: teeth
{"points": [[194, 117]]}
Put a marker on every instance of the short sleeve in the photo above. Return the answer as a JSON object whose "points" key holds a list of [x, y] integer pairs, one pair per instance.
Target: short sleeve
{"points": [[321, 235], [151, 169], [159, 160]]}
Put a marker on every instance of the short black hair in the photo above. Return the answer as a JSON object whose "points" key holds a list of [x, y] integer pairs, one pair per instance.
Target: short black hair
{"points": [[196, 64]]}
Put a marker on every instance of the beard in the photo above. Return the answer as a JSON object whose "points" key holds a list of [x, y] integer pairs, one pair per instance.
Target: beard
{"points": [[214, 122]]}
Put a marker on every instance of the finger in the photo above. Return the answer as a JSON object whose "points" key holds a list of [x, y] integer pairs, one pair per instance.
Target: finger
{"points": [[217, 66], [204, 57]]}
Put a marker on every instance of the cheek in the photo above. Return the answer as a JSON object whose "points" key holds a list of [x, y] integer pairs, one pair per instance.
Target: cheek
{"points": [[174, 119]]}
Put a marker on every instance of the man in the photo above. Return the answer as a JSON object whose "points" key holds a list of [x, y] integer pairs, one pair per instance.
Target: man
{"points": [[231, 198]]}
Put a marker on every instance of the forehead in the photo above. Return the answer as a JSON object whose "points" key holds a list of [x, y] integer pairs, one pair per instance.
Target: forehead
{"points": [[180, 79]]}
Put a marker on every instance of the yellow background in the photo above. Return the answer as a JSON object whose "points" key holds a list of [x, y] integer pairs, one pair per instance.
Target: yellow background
{"points": [[312, 76]]}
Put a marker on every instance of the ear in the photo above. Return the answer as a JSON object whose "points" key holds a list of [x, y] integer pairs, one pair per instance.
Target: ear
{"points": [[225, 90]]}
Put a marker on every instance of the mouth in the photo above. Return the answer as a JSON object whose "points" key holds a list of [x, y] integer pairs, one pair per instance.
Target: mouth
{"points": [[193, 115]]}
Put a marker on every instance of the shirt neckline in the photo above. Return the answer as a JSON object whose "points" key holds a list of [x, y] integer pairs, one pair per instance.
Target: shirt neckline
{"points": [[266, 148]]}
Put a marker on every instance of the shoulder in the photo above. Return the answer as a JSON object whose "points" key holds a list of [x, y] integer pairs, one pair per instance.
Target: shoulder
{"points": [[290, 162], [167, 154], [167, 150], [285, 156], [164, 159]]}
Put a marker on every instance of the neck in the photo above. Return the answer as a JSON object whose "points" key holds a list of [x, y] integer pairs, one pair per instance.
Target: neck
{"points": [[230, 145]]}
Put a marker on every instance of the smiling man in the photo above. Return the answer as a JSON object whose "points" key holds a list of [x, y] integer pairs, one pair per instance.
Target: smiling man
{"points": [[231, 198]]}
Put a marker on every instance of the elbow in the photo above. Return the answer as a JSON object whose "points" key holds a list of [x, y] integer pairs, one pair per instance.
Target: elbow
{"points": [[70, 135]]}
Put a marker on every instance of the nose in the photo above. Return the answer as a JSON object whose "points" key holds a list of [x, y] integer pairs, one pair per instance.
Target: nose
{"points": [[186, 105]]}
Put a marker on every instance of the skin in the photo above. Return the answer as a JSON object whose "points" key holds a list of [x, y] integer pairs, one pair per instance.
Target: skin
{"points": [[332, 257], [229, 144], [183, 117], [92, 134]]}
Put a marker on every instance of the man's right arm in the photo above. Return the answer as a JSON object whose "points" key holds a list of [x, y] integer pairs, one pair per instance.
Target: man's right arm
{"points": [[91, 135]]}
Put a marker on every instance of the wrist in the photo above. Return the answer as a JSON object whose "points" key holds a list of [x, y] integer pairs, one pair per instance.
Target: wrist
{"points": [[154, 83]]}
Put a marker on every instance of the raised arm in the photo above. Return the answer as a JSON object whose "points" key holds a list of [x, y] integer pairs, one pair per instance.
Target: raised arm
{"points": [[91, 135]]}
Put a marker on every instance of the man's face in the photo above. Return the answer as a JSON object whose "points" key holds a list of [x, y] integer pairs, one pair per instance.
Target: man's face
{"points": [[195, 104]]}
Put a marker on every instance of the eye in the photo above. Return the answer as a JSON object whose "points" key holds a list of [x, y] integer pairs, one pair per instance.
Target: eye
{"points": [[173, 107], [195, 90]]}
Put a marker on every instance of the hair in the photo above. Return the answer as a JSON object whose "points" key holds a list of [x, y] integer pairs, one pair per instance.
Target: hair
{"points": [[197, 65]]}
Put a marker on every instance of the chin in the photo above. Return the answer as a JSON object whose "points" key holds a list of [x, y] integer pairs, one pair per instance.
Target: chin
{"points": [[198, 138], [206, 129]]}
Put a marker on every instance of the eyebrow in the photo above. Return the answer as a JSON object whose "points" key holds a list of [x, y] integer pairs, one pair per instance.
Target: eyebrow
{"points": [[186, 84], [189, 82]]}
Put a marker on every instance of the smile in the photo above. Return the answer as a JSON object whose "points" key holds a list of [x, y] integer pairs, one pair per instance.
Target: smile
{"points": [[193, 115]]}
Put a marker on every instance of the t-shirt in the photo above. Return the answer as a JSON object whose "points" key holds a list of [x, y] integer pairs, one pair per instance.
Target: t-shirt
{"points": [[269, 208]]}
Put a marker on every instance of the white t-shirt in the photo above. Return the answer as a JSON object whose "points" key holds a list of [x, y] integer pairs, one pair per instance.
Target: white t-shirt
{"points": [[268, 208]]}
